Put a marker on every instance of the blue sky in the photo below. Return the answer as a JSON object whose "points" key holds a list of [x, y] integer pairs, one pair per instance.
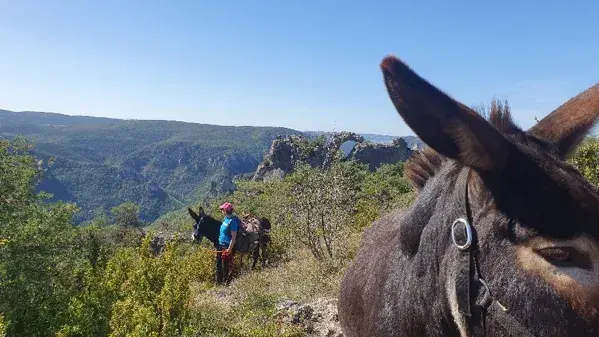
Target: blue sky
{"points": [[308, 65]]}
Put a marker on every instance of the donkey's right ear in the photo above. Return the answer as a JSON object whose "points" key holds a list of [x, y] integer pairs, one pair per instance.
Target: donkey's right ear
{"points": [[193, 214], [201, 211], [567, 125], [447, 126]]}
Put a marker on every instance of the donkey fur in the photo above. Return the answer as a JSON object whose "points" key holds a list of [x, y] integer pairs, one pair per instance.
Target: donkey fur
{"points": [[401, 282]]}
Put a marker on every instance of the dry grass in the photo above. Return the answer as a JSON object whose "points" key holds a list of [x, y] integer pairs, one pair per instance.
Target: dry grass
{"points": [[247, 306], [301, 279]]}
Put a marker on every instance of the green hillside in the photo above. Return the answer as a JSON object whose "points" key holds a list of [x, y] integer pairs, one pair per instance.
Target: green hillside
{"points": [[161, 165]]}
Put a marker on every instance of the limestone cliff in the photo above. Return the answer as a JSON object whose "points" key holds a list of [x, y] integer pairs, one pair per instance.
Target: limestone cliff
{"points": [[374, 155], [285, 153]]}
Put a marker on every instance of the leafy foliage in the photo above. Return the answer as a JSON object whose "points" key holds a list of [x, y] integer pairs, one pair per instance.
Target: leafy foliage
{"points": [[33, 259], [154, 297], [2, 326], [126, 215], [586, 160], [382, 191], [319, 205]]}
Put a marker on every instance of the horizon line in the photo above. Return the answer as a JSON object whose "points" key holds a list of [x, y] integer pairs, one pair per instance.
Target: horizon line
{"points": [[200, 123]]}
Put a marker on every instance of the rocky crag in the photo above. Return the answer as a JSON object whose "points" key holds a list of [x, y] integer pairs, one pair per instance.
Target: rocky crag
{"points": [[286, 152], [318, 318]]}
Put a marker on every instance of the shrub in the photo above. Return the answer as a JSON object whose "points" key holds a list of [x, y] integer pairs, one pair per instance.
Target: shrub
{"points": [[127, 215], [586, 160], [319, 204], [3, 325]]}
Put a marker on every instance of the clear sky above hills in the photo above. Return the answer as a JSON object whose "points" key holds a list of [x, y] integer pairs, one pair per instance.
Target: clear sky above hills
{"points": [[308, 65]]}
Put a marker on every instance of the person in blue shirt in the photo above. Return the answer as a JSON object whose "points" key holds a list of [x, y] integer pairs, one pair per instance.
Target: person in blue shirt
{"points": [[226, 244]]}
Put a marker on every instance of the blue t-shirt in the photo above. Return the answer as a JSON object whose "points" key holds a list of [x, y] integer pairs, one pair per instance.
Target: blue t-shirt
{"points": [[230, 224]]}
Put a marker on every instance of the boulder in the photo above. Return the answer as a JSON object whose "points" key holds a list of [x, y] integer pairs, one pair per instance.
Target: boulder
{"points": [[317, 318]]}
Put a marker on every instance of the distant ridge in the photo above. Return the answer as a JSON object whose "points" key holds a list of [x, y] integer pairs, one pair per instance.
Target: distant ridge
{"points": [[101, 162]]}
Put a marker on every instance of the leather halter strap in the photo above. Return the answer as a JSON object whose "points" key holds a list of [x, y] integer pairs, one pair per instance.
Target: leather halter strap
{"points": [[474, 298]]}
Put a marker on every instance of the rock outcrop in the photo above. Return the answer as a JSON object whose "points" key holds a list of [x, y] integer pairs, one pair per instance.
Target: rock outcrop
{"points": [[374, 155], [318, 318], [286, 153], [335, 144]]}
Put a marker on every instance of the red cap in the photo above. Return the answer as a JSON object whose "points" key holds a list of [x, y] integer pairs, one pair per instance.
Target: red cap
{"points": [[227, 207]]}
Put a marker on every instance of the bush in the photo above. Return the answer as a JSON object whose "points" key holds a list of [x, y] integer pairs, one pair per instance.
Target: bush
{"points": [[154, 291], [127, 215], [586, 160], [318, 204], [3, 325], [36, 258], [381, 191]]}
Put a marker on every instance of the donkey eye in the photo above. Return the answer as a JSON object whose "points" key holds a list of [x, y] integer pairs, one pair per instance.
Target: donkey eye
{"points": [[566, 257], [558, 254]]}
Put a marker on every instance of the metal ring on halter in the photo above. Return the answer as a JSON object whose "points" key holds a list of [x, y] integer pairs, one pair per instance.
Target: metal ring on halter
{"points": [[468, 234]]}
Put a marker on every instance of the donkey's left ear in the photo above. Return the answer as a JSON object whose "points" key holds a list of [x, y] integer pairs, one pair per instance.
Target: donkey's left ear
{"points": [[193, 214], [447, 126], [567, 125], [201, 211]]}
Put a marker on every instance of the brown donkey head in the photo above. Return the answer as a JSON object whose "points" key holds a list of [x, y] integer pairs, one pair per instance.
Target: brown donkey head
{"points": [[536, 217]]}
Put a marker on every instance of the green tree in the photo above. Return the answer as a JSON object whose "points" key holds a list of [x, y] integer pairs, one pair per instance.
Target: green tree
{"points": [[153, 293], [101, 217], [320, 204], [36, 257], [586, 160], [381, 191], [127, 214]]}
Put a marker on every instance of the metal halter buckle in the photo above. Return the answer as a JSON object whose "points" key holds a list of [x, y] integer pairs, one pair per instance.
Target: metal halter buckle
{"points": [[466, 245]]}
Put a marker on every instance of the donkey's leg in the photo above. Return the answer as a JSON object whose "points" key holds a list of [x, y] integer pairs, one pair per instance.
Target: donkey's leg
{"points": [[265, 244], [263, 255], [256, 252]]}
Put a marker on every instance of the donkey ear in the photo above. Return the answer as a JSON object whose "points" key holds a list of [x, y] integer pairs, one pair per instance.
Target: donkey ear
{"points": [[201, 211], [447, 126], [567, 125], [193, 214]]}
